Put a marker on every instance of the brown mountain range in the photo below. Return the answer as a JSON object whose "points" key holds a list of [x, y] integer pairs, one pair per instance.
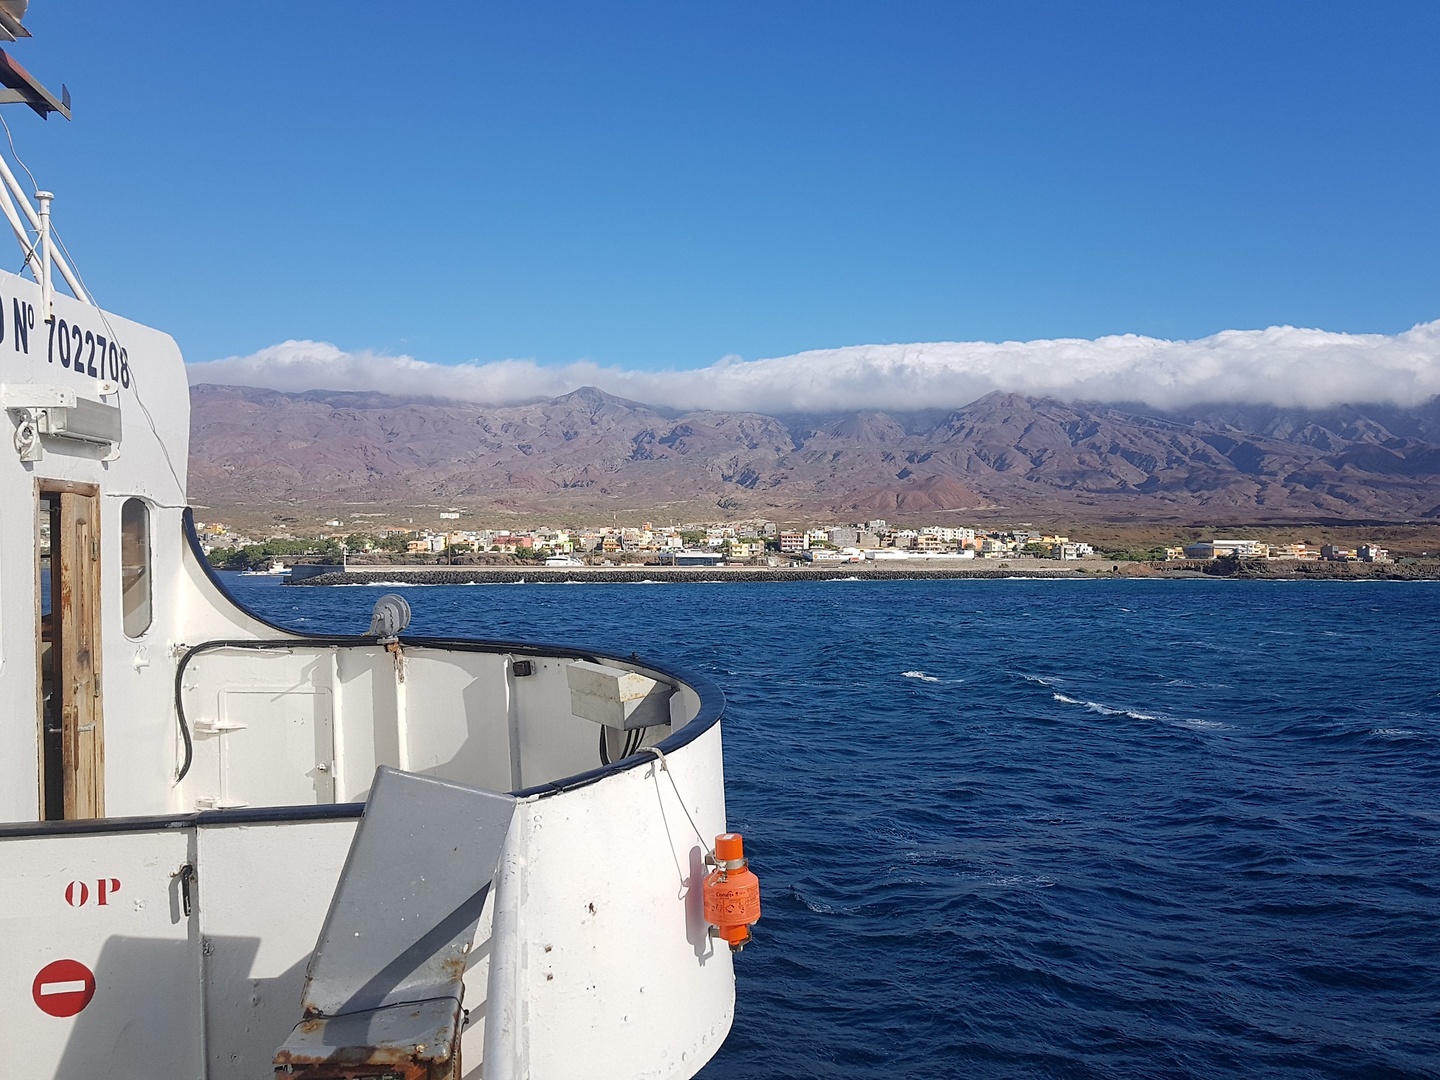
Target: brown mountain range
{"points": [[1001, 455]]}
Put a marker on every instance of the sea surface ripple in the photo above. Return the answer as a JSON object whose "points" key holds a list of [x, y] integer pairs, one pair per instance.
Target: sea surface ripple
{"points": [[1106, 828]]}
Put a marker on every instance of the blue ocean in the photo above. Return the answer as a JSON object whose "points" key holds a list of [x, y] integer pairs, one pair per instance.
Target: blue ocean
{"points": [[1091, 828]]}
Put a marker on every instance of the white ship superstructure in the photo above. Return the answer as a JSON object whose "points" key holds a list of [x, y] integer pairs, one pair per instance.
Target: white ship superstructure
{"points": [[181, 783]]}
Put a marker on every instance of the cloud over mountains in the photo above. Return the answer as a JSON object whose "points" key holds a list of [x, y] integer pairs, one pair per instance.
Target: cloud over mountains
{"points": [[1282, 365]]}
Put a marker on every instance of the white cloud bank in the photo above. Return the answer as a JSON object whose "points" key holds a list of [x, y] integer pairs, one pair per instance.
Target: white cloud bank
{"points": [[1280, 366]]}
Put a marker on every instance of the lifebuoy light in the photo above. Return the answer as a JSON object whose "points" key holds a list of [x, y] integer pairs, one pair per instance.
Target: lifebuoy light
{"points": [[732, 892]]}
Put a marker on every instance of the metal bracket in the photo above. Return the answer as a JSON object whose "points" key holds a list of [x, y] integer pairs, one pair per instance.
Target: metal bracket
{"points": [[25, 89], [58, 412]]}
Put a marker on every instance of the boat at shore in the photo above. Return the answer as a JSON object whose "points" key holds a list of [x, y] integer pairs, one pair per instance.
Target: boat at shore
{"points": [[233, 849], [274, 568]]}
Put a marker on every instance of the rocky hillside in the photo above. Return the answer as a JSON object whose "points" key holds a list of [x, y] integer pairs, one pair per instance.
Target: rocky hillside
{"points": [[1004, 454]]}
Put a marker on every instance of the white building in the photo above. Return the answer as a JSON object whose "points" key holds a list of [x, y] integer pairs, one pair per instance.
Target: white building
{"points": [[1220, 549]]}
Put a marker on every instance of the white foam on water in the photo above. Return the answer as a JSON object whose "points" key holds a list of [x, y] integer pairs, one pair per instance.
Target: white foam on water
{"points": [[919, 675], [383, 585], [1104, 710], [1010, 881], [1395, 732], [1134, 714]]}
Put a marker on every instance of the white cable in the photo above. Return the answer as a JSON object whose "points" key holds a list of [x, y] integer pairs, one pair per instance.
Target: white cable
{"points": [[134, 378], [16, 154], [664, 766]]}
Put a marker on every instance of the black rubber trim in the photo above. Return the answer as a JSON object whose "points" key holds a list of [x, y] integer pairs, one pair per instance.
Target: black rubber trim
{"points": [[712, 699], [240, 815]]}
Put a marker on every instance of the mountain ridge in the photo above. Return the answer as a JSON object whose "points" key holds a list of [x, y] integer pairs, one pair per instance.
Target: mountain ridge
{"points": [[1003, 453]]}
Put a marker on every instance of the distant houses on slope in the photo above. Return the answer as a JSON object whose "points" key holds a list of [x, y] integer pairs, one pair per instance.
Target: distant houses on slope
{"points": [[1255, 549]]}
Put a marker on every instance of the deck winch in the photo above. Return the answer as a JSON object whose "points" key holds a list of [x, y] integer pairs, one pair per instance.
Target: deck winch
{"points": [[731, 892]]}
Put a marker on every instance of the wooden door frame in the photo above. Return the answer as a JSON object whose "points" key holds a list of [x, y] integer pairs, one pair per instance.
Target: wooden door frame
{"points": [[71, 587]]}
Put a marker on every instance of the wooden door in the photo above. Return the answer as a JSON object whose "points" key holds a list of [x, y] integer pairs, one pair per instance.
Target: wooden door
{"points": [[75, 643]]}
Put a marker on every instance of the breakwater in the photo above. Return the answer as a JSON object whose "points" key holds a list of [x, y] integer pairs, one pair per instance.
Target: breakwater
{"points": [[600, 575], [1262, 569]]}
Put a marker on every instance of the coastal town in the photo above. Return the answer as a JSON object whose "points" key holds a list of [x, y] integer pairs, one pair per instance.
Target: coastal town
{"points": [[747, 543]]}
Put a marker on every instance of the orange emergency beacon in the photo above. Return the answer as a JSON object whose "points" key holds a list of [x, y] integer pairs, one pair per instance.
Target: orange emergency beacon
{"points": [[732, 892]]}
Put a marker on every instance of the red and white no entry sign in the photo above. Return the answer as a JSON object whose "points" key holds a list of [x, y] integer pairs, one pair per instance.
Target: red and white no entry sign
{"points": [[64, 987]]}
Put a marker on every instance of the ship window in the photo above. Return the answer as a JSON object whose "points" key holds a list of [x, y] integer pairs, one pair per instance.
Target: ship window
{"points": [[135, 566]]}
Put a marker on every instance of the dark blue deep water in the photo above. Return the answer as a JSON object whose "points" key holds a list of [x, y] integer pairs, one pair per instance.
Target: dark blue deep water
{"points": [[1076, 829]]}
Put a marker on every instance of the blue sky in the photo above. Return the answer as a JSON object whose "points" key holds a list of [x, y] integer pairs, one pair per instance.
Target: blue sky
{"points": [[659, 185]]}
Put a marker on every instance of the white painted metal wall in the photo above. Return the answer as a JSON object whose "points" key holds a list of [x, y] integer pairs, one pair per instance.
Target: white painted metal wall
{"points": [[207, 994], [132, 676], [599, 931]]}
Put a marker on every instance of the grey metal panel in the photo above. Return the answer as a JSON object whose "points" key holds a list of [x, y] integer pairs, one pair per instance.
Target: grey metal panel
{"points": [[404, 912], [91, 421]]}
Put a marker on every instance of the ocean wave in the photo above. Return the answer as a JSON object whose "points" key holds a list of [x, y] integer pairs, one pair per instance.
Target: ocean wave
{"points": [[1136, 714], [919, 675], [383, 585], [1104, 710], [1395, 732]]}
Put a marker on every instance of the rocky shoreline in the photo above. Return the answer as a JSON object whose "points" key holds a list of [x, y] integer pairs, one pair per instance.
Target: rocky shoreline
{"points": [[1287, 570], [1248, 570]]}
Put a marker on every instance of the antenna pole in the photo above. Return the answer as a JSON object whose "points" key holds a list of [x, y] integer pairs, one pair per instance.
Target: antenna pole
{"points": [[43, 198]]}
